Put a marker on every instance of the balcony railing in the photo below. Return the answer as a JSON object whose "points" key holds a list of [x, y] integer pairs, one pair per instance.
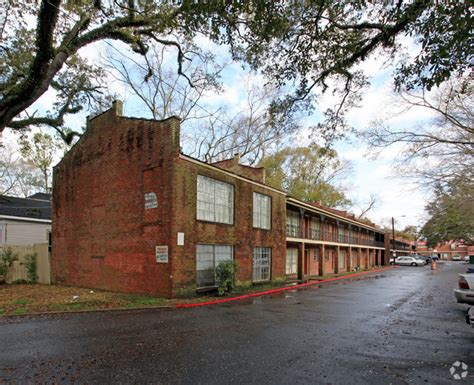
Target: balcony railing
{"points": [[318, 234], [293, 231]]}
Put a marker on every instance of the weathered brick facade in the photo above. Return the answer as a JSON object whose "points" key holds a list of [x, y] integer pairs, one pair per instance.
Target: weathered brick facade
{"points": [[105, 238]]}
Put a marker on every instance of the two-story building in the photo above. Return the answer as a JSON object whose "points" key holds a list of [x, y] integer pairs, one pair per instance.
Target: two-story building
{"points": [[132, 213], [323, 241]]}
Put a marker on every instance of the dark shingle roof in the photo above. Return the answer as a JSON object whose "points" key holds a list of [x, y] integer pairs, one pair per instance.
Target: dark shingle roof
{"points": [[25, 207], [41, 196]]}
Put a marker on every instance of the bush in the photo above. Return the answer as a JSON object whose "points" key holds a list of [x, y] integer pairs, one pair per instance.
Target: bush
{"points": [[225, 277], [31, 267], [7, 257]]}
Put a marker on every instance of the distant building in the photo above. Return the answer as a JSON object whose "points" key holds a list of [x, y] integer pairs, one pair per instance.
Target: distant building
{"points": [[25, 221]]}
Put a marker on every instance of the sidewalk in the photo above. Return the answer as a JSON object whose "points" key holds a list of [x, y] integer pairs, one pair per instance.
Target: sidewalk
{"points": [[281, 289]]}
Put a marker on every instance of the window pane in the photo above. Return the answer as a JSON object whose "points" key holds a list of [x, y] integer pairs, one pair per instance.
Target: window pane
{"points": [[208, 258], [261, 211], [215, 200], [261, 263]]}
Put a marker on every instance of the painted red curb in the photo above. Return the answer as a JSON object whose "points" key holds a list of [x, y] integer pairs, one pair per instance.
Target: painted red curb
{"points": [[279, 290]]}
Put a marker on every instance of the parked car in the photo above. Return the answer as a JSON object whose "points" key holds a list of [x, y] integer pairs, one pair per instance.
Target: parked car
{"points": [[409, 261], [434, 257], [465, 291], [466, 258], [456, 258], [425, 258]]}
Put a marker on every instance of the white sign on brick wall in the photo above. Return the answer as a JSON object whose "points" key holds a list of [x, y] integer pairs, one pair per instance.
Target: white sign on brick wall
{"points": [[150, 201], [161, 253], [180, 239]]}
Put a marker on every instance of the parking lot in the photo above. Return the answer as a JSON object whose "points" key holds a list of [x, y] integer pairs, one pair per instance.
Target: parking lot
{"points": [[399, 326]]}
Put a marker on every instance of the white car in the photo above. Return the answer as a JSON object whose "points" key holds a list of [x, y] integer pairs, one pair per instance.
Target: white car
{"points": [[409, 261], [465, 291], [456, 258]]}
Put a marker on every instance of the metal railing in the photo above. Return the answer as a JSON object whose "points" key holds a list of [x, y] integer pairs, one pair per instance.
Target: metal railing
{"points": [[319, 234]]}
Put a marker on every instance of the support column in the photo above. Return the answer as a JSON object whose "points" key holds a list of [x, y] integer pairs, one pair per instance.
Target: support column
{"points": [[300, 260], [323, 258], [336, 262], [349, 263]]}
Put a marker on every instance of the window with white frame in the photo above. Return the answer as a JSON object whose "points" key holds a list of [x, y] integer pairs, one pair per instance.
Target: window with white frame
{"points": [[291, 261], [292, 224], [262, 209], [342, 259], [262, 262], [208, 258], [215, 200]]}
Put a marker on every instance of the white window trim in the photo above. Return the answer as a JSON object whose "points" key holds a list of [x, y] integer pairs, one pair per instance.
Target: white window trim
{"points": [[259, 253], [262, 211], [213, 246], [294, 261], [213, 209]]}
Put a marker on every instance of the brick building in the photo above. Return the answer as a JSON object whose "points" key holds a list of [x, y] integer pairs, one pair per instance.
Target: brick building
{"points": [[132, 213]]}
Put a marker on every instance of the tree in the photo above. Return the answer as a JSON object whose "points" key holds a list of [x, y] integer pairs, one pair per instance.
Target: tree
{"points": [[252, 131], [162, 91], [208, 135], [451, 213], [39, 152], [308, 173], [17, 177], [442, 148], [298, 45]]}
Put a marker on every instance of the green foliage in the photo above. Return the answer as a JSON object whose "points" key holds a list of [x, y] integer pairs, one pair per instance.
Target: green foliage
{"points": [[298, 45], [39, 151], [31, 267], [225, 276], [451, 213], [7, 257], [307, 173]]}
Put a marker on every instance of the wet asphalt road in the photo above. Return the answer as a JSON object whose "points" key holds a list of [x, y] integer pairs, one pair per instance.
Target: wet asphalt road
{"points": [[400, 326]]}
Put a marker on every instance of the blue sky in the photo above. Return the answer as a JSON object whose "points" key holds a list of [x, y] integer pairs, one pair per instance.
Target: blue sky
{"points": [[397, 197]]}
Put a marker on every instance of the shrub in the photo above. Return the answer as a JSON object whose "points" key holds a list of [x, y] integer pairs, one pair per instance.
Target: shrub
{"points": [[31, 267], [7, 257], [225, 277]]}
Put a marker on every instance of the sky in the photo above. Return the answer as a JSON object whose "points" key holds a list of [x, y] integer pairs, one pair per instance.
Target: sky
{"points": [[396, 197]]}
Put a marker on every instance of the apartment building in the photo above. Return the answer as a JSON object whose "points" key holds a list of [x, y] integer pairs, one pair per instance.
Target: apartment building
{"points": [[131, 213]]}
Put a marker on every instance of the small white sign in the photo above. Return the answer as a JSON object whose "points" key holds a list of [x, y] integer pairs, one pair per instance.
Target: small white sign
{"points": [[180, 239], [150, 201], [161, 253]]}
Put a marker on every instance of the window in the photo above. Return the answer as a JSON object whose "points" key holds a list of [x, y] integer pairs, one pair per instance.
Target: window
{"points": [[342, 259], [262, 209], [208, 258], [292, 224], [316, 255], [215, 200], [291, 261], [262, 258], [314, 228]]}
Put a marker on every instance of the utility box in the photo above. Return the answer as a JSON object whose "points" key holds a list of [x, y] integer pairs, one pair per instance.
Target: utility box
{"points": [[471, 259]]}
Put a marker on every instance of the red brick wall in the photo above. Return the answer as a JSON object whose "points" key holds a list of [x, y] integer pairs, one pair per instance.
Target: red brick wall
{"points": [[102, 236], [241, 234]]}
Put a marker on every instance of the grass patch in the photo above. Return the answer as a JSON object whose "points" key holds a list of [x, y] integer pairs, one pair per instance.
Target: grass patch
{"points": [[20, 311], [21, 302], [144, 301]]}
